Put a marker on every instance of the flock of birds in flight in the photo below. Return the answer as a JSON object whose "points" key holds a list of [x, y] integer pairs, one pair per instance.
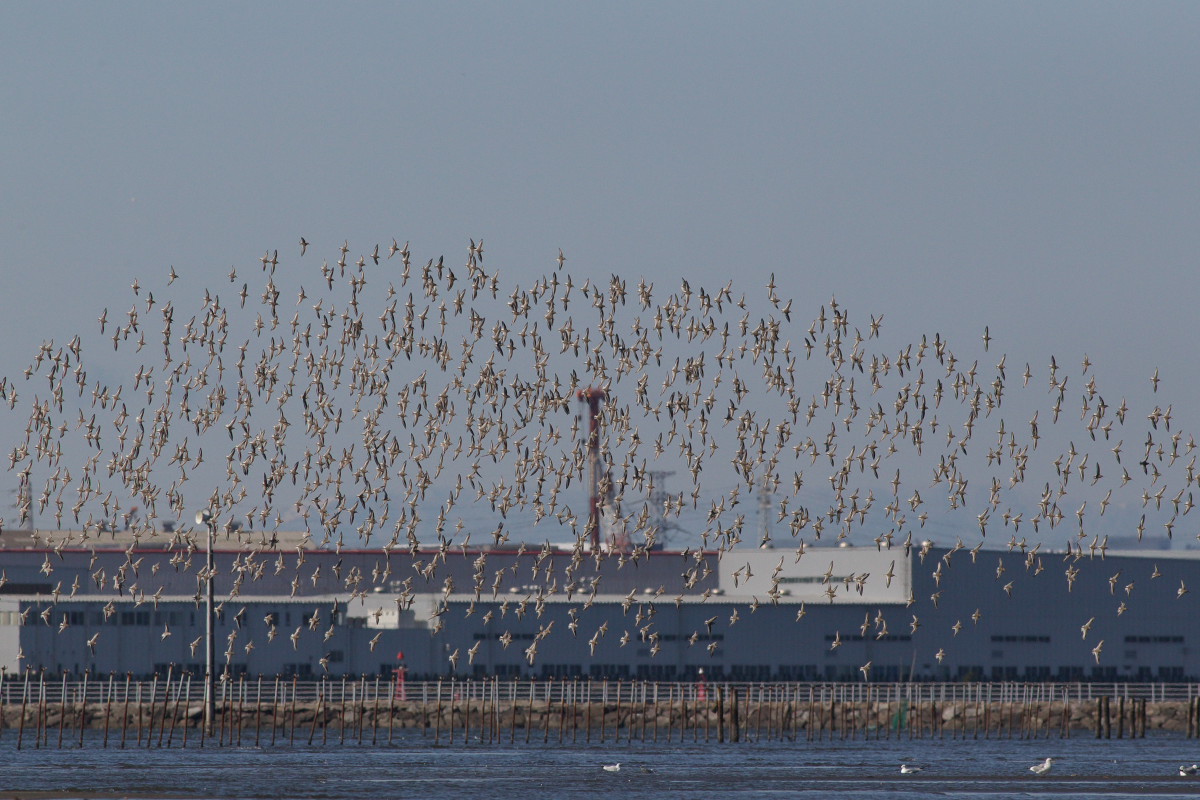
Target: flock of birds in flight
{"points": [[347, 400]]}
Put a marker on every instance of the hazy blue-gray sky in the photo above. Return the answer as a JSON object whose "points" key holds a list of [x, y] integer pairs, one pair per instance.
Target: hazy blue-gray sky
{"points": [[1032, 167]]}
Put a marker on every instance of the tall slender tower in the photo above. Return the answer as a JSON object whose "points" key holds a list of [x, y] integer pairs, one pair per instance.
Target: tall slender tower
{"points": [[657, 500], [766, 500], [593, 397]]}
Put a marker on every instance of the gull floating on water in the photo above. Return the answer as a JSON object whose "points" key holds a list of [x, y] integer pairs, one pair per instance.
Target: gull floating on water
{"points": [[1042, 768], [1185, 770], [612, 767], [905, 769]]}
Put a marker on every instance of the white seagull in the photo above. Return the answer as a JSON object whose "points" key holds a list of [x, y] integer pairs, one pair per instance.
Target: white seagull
{"points": [[905, 769], [1186, 770], [1042, 768], [612, 767]]}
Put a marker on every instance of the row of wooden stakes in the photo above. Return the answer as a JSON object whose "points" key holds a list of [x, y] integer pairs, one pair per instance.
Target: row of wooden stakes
{"points": [[363, 711]]}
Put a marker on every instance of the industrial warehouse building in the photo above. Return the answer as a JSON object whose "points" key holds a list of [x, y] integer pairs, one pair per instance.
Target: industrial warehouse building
{"points": [[930, 614]]}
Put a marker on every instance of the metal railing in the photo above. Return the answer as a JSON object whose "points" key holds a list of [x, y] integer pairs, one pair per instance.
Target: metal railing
{"points": [[188, 689]]}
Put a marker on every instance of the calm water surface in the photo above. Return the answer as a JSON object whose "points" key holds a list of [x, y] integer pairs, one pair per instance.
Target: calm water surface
{"points": [[415, 768]]}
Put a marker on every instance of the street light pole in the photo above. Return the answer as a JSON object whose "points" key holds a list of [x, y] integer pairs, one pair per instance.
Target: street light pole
{"points": [[205, 518]]}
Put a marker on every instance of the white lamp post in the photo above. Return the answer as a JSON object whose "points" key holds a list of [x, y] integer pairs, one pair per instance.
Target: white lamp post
{"points": [[205, 518]]}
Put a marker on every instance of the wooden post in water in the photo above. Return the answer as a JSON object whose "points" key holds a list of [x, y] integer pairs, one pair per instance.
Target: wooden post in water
{"points": [[223, 717], [546, 715], [575, 709], [162, 722], [375, 715], [778, 712], [833, 709], [489, 711], [683, 711], [617, 720], [350, 711], [587, 729], [292, 727], [257, 710], [139, 713], [21, 721], [978, 713], [62, 709], [735, 723], [654, 703], [529, 710], [468, 690], [437, 723], [324, 692], [720, 716], [424, 709], [312, 729], [808, 719], [342, 715], [562, 708], [241, 712], [187, 698], [703, 705], [760, 711], [108, 709], [43, 737], [645, 708], [603, 708], [274, 706], [481, 709], [228, 704], [233, 710], [82, 706], [40, 711], [849, 711], [362, 706], [512, 711], [671, 712], [885, 709], [987, 714], [1023, 713], [125, 713], [794, 711], [175, 713], [392, 689]]}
